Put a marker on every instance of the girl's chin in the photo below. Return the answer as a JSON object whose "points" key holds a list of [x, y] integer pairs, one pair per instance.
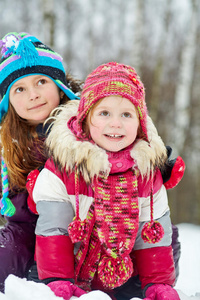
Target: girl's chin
{"points": [[114, 149]]}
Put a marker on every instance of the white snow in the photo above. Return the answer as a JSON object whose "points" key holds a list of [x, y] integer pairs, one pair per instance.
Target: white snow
{"points": [[188, 285], [189, 278]]}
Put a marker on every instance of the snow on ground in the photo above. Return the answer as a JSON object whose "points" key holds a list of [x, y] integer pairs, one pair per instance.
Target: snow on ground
{"points": [[188, 285], [189, 278]]}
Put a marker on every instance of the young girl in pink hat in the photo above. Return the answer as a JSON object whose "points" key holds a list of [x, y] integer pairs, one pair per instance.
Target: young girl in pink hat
{"points": [[101, 195]]}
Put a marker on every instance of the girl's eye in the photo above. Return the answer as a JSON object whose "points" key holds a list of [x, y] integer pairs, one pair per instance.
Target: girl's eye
{"points": [[104, 113], [19, 90], [42, 81], [126, 115]]}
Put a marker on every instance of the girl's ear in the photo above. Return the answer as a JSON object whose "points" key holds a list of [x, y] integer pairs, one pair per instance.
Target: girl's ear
{"points": [[61, 95]]}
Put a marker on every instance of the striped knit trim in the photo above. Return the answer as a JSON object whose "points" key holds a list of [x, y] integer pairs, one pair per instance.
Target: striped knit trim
{"points": [[15, 65], [7, 207], [45, 68], [42, 53]]}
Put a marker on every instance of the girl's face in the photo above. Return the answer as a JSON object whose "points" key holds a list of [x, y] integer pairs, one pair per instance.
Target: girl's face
{"points": [[114, 123], [34, 97]]}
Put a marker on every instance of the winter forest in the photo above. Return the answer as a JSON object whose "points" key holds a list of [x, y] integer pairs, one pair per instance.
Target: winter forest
{"points": [[159, 38]]}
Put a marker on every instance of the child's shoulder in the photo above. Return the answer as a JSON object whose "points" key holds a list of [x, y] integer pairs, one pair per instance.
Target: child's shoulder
{"points": [[68, 178], [144, 184]]}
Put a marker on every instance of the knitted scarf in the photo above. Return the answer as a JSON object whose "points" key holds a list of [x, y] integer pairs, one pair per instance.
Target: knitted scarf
{"points": [[112, 225], [116, 211]]}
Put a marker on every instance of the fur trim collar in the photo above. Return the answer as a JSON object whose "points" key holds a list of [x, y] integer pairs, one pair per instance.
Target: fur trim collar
{"points": [[91, 160]]}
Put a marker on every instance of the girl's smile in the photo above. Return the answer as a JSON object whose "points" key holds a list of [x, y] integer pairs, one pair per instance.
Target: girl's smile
{"points": [[37, 106]]}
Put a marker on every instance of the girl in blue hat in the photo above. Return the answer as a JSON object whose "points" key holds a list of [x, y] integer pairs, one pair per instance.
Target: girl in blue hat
{"points": [[33, 82]]}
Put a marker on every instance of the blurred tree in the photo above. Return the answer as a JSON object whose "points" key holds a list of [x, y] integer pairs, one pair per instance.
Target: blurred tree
{"points": [[158, 72], [187, 202], [138, 44], [184, 83], [69, 23], [48, 22]]}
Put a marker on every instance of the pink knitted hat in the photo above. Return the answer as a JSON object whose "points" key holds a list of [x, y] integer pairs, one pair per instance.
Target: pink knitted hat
{"points": [[110, 79]]}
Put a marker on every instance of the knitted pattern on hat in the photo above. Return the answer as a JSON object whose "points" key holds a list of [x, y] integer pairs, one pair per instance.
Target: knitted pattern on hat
{"points": [[111, 79], [23, 55]]}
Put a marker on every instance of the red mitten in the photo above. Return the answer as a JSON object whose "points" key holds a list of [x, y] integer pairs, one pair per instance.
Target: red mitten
{"points": [[65, 289], [161, 292], [173, 171]]}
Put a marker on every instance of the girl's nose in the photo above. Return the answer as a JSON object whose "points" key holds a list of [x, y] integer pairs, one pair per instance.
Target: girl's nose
{"points": [[33, 94], [115, 122]]}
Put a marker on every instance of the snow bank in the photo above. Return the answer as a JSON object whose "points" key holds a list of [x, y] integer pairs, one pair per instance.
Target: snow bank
{"points": [[21, 289]]}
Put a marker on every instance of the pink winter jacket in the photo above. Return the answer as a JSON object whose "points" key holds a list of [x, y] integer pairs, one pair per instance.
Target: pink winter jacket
{"points": [[54, 249]]}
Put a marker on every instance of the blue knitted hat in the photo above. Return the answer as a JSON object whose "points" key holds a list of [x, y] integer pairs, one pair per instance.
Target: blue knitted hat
{"points": [[24, 55]]}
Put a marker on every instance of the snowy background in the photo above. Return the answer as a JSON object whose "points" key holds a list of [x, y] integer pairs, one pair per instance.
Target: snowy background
{"points": [[159, 38], [188, 285]]}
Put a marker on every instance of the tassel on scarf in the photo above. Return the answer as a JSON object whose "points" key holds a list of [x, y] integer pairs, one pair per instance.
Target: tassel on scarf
{"points": [[113, 271], [77, 229], [152, 231]]}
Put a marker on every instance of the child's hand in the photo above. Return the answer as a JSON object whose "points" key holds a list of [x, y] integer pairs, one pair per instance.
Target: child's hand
{"points": [[174, 170], [161, 292], [65, 289]]}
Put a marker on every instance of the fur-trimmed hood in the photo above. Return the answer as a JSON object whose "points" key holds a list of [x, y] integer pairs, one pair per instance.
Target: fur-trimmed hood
{"points": [[89, 159]]}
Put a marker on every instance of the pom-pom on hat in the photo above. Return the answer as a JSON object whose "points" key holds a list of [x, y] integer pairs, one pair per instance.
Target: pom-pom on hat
{"points": [[110, 79], [23, 55]]}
